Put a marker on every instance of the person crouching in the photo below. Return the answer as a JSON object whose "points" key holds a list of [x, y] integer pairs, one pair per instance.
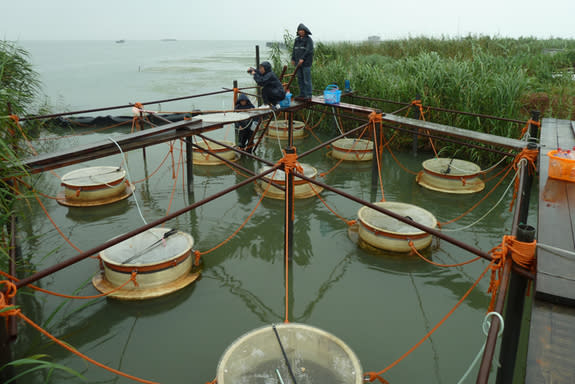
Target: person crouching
{"points": [[272, 89]]}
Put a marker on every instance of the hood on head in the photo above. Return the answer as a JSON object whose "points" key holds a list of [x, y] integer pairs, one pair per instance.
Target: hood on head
{"points": [[267, 66], [304, 28], [243, 96]]}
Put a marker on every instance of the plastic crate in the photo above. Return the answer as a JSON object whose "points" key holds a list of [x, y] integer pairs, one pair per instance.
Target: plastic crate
{"points": [[332, 94], [561, 167]]}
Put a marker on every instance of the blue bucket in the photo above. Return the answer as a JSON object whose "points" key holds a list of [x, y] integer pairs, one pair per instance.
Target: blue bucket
{"points": [[332, 94], [287, 101]]}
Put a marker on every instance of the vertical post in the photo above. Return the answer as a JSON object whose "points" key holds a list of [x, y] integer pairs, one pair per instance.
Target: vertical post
{"points": [[534, 129], [288, 230], [290, 129], [236, 130], [417, 116], [259, 91], [374, 161], [517, 284], [189, 164]]}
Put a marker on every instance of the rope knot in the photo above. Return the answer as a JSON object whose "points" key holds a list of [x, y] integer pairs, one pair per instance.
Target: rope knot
{"points": [[15, 118], [371, 376], [133, 278], [530, 155], [375, 117], [290, 162], [197, 255], [5, 309]]}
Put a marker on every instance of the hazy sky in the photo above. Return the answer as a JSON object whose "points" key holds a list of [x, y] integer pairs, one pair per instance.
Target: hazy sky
{"points": [[267, 20]]}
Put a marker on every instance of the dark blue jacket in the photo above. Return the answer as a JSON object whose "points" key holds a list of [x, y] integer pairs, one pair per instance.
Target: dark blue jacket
{"points": [[272, 89], [303, 48], [249, 105]]}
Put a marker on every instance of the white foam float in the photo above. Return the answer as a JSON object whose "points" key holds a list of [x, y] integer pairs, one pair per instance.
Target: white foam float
{"points": [[279, 129], [203, 157], [314, 355], [302, 188], [94, 186], [352, 149], [385, 232], [450, 175], [161, 257]]}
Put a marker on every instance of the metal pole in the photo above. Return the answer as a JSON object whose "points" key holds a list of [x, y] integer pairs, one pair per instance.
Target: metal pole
{"points": [[55, 268], [190, 163], [517, 286], [290, 130], [374, 163], [288, 246], [259, 90], [417, 116], [515, 302]]}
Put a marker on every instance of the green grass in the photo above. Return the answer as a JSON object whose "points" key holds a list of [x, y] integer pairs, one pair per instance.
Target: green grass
{"points": [[492, 76]]}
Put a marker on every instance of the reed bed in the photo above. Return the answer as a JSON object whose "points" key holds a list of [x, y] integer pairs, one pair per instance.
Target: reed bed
{"points": [[492, 76]]}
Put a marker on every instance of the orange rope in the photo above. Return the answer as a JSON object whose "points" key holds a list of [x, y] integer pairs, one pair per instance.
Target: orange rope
{"points": [[6, 311], [417, 103], [387, 144], [198, 254], [531, 156], [414, 250], [155, 171], [375, 118], [348, 222], [521, 253], [371, 376], [132, 279], [56, 226]]}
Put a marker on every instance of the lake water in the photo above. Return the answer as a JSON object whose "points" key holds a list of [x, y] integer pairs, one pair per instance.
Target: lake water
{"points": [[379, 304]]}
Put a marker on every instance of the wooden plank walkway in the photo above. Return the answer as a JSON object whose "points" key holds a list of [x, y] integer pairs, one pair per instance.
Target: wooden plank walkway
{"points": [[551, 354]]}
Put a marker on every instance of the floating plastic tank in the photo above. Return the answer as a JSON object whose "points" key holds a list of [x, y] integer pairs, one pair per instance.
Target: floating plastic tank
{"points": [[302, 188], [450, 175], [384, 232], [352, 149], [279, 129], [315, 356], [161, 257], [204, 158], [94, 186]]}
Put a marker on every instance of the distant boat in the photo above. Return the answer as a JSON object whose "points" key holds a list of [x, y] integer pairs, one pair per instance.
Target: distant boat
{"points": [[168, 40], [120, 41], [373, 38], [270, 44]]}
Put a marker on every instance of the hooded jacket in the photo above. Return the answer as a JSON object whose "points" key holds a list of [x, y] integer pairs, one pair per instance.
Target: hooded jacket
{"points": [[303, 48], [272, 89], [249, 105]]}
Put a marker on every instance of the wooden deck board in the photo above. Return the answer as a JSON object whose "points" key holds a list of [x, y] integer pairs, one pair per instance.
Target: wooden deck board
{"points": [[551, 357], [556, 221], [551, 351]]}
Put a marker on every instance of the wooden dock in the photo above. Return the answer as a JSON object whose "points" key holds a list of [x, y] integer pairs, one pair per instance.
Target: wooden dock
{"points": [[551, 354]]}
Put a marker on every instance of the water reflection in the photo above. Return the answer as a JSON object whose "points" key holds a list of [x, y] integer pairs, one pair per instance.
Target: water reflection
{"points": [[82, 215]]}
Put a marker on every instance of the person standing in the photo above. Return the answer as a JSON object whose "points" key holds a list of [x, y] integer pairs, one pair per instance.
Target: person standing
{"points": [[302, 55], [244, 128], [272, 89]]}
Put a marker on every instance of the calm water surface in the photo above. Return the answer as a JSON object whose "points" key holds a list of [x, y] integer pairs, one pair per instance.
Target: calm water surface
{"points": [[379, 304]]}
